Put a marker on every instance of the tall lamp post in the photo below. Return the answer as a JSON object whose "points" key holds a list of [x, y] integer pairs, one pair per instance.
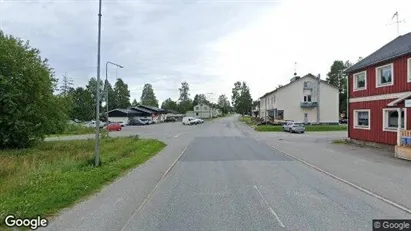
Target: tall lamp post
{"points": [[97, 151], [117, 65]]}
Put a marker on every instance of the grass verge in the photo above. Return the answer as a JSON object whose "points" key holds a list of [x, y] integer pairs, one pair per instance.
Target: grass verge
{"points": [[75, 129], [343, 141], [53, 175], [308, 128], [248, 120]]}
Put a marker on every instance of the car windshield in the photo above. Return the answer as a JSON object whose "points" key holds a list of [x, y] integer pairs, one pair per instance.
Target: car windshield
{"points": [[299, 124]]}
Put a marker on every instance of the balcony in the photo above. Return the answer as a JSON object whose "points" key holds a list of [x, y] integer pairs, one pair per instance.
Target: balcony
{"points": [[308, 104]]}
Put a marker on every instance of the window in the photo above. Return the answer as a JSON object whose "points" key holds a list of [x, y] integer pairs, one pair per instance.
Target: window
{"points": [[360, 81], [409, 69], [384, 75], [307, 98], [390, 119], [362, 119], [205, 108], [197, 108]]}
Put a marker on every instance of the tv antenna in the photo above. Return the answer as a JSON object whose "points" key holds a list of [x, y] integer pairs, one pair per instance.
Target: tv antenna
{"points": [[398, 21], [295, 68]]}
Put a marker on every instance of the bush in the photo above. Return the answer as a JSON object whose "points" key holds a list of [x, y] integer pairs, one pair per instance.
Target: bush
{"points": [[29, 110]]}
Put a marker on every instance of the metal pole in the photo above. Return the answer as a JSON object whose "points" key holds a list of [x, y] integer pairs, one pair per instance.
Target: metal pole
{"points": [[108, 130], [97, 151]]}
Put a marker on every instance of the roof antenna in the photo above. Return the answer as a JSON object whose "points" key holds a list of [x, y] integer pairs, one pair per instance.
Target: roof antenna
{"points": [[295, 68], [398, 21]]}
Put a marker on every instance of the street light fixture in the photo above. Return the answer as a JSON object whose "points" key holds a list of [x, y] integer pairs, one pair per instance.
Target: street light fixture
{"points": [[117, 65]]}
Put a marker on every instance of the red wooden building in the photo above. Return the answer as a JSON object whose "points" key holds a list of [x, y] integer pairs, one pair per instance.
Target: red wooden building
{"points": [[378, 85]]}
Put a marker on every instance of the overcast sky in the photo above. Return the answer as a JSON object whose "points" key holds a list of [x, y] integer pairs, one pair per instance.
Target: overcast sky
{"points": [[210, 44]]}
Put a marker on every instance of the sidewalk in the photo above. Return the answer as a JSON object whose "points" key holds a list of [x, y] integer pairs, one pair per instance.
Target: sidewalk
{"points": [[373, 169]]}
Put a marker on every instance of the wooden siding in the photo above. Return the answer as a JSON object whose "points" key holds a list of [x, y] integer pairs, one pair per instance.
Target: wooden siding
{"points": [[400, 79], [376, 133]]}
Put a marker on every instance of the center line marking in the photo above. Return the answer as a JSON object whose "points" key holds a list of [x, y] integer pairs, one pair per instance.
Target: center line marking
{"points": [[269, 207]]}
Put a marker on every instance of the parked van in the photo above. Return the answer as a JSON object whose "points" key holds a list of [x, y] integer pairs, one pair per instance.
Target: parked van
{"points": [[188, 120]]}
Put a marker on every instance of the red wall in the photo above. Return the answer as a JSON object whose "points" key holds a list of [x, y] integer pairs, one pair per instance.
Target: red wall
{"points": [[375, 134], [400, 79]]}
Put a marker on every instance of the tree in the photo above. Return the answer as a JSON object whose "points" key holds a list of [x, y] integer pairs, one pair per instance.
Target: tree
{"points": [[29, 109], [223, 104], [338, 78], [122, 94], [148, 98], [241, 97], [199, 99], [66, 85], [134, 103], [108, 91], [169, 104], [185, 103], [83, 107]]}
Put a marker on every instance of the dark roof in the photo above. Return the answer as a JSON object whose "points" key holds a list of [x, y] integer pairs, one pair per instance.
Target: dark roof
{"points": [[141, 110], [171, 111], [396, 48], [309, 75], [126, 111], [151, 108]]}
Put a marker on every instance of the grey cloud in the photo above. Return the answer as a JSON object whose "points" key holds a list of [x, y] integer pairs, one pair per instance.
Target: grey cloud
{"points": [[158, 42]]}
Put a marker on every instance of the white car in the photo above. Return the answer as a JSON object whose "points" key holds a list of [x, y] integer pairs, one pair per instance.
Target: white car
{"points": [[188, 121], [92, 124]]}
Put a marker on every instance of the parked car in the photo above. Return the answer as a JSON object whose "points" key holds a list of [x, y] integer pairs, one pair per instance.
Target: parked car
{"points": [[188, 121], [113, 126], [137, 122], [198, 120], [93, 124], [292, 127], [343, 121], [170, 119], [147, 121]]}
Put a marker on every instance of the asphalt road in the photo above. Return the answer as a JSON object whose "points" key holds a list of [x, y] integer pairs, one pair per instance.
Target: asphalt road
{"points": [[227, 180]]}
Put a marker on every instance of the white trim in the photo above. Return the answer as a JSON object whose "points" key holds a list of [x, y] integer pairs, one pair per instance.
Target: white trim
{"points": [[384, 118], [355, 126], [377, 75], [399, 100], [409, 70], [379, 97], [355, 81]]}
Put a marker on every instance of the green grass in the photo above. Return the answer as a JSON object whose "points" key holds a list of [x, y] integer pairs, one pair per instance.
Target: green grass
{"points": [[308, 128], [248, 120], [54, 175], [75, 129]]}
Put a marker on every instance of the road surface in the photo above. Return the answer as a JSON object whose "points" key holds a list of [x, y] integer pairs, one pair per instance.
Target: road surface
{"points": [[224, 179]]}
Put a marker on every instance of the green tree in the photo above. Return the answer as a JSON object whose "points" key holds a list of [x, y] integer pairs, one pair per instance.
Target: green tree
{"points": [[66, 85], [338, 78], [235, 94], [122, 94], [134, 103], [148, 98], [169, 104], [185, 103], [241, 98], [223, 104], [83, 106], [108, 91], [199, 99], [29, 109]]}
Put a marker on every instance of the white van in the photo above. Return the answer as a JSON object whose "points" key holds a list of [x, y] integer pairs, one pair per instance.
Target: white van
{"points": [[188, 120]]}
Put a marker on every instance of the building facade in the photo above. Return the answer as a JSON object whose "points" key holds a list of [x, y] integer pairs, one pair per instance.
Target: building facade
{"points": [[378, 85], [306, 99]]}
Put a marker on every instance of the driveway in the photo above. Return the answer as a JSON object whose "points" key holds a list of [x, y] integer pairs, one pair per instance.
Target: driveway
{"points": [[227, 177]]}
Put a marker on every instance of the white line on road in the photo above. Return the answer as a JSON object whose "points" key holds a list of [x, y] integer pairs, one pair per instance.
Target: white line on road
{"points": [[269, 207], [152, 191], [407, 210], [179, 134]]}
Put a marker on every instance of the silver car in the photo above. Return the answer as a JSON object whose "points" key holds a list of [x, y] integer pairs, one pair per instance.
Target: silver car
{"points": [[294, 127]]}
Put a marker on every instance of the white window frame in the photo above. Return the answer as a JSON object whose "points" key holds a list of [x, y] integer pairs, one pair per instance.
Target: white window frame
{"points": [[355, 88], [409, 70], [355, 126], [378, 77], [384, 119]]}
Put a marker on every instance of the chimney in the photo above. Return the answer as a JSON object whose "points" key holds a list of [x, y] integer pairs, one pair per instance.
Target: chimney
{"points": [[294, 78]]}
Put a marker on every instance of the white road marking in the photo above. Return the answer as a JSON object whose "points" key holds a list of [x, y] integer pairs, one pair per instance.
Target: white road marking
{"points": [[269, 207], [179, 134], [152, 191], [386, 200]]}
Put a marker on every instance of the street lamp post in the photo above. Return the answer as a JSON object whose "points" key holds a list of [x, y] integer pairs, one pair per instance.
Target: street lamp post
{"points": [[97, 151], [117, 65]]}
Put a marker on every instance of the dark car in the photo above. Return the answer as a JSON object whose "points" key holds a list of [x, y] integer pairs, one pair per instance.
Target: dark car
{"points": [[137, 122], [170, 119]]}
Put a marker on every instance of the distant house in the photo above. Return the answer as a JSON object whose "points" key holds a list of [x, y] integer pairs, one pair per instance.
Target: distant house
{"points": [[204, 111], [306, 99], [378, 87], [157, 114], [124, 115]]}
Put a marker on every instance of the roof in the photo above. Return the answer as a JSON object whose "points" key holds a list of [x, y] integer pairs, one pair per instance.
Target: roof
{"points": [[151, 108], [400, 99], [396, 48], [141, 110], [309, 75], [126, 111]]}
